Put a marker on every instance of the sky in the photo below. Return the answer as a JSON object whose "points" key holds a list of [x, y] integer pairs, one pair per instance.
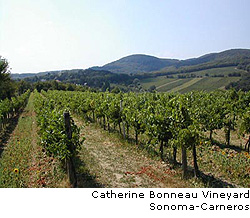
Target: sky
{"points": [[44, 35]]}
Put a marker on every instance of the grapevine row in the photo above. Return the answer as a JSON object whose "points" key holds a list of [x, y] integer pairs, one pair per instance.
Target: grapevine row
{"points": [[10, 108], [166, 119], [52, 132]]}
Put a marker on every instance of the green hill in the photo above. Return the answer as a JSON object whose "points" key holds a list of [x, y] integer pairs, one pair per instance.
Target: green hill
{"points": [[138, 64], [89, 77], [231, 66], [208, 80], [27, 75], [233, 56], [191, 84]]}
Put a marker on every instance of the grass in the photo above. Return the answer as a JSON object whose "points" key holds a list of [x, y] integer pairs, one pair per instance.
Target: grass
{"points": [[164, 84], [209, 84], [23, 162], [107, 160], [220, 166], [217, 71], [231, 165], [111, 161], [192, 84], [171, 86], [185, 85], [157, 81]]}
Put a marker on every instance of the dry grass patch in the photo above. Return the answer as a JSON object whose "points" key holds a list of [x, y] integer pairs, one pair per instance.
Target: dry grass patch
{"points": [[110, 161]]}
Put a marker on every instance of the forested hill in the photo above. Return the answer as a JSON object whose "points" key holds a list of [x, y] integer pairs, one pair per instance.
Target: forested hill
{"points": [[143, 63], [137, 64], [89, 77], [127, 69], [234, 56], [27, 75]]}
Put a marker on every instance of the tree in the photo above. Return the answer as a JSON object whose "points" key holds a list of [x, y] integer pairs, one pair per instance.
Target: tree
{"points": [[7, 87], [152, 88], [23, 86]]}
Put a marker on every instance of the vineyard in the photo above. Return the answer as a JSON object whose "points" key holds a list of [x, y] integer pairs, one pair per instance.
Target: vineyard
{"points": [[11, 107], [197, 139], [184, 85]]}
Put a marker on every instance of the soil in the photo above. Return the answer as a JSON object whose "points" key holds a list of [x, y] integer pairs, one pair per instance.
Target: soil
{"points": [[109, 161]]}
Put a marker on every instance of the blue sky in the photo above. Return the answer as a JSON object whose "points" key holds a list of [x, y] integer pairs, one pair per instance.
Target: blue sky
{"points": [[42, 35]]}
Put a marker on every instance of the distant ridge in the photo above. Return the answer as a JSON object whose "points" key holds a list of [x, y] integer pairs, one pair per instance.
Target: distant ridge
{"points": [[232, 67], [232, 54], [140, 63]]}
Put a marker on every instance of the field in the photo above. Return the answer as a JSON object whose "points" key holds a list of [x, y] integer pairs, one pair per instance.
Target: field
{"points": [[189, 84], [158, 81], [209, 84], [164, 84], [217, 71], [146, 152]]}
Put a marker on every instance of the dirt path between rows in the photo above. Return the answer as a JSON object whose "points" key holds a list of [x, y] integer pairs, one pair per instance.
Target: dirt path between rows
{"points": [[107, 161]]}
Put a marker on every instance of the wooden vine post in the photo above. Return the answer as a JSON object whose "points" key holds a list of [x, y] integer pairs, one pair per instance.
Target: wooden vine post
{"points": [[70, 168], [247, 145], [123, 126], [184, 162]]}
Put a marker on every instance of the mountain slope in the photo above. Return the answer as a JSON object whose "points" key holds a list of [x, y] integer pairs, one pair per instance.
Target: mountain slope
{"points": [[233, 55], [135, 64], [26, 75], [229, 58], [138, 64], [234, 62], [89, 77]]}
